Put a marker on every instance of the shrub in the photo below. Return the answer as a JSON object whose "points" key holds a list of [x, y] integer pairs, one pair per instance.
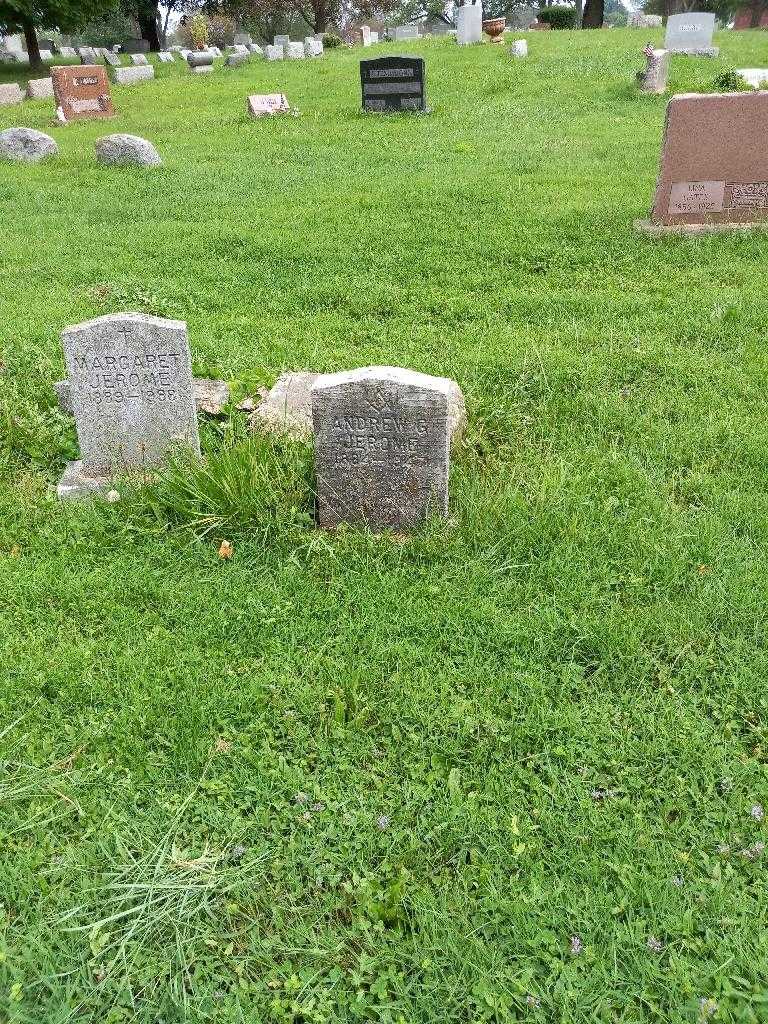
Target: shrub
{"points": [[731, 81], [196, 29], [558, 17], [221, 31], [331, 41]]}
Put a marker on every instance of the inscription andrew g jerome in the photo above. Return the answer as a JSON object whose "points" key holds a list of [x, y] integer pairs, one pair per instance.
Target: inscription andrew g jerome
{"points": [[381, 447], [131, 384]]}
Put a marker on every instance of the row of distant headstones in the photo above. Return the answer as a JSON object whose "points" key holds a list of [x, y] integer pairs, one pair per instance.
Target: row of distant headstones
{"points": [[382, 435]]}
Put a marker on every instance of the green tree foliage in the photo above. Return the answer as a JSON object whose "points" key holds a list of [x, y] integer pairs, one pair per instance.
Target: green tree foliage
{"points": [[29, 15]]}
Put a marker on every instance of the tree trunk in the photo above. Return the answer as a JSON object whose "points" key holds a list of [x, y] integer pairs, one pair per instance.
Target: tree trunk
{"points": [[33, 49], [320, 10], [757, 14], [594, 12], [579, 14], [147, 18]]}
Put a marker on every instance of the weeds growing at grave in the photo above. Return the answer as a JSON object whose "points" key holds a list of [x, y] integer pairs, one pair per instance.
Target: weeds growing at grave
{"points": [[511, 768]]}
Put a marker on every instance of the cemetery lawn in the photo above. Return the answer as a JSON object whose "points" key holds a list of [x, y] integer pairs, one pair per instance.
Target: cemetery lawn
{"points": [[511, 768]]}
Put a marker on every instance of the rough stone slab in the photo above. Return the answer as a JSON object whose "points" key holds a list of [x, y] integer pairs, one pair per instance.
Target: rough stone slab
{"points": [[134, 75], [382, 448], [714, 162], [210, 395], [287, 407], [40, 89], [10, 94], [130, 380], [653, 79], [123, 150], [26, 145]]}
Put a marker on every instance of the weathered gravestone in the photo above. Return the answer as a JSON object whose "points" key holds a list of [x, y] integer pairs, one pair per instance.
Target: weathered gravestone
{"points": [[165, 57], [756, 78], [406, 32], [313, 47], [469, 24], [392, 84], [294, 51], [10, 94], [139, 60], [365, 34], [132, 75], [234, 60], [87, 54], [281, 40], [653, 79], [273, 52], [242, 39], [714, 164], [46, 55], [40, 89], [130, 380], [691, 34], [639, 20], [382, 444], [82, 92], [113, 59]]}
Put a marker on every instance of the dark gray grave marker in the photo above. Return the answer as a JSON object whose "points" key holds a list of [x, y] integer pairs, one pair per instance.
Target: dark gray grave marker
{"points": [[393, 84]]}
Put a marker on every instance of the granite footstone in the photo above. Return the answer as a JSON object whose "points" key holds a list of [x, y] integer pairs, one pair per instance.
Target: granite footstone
{"points": [[40, 89], [133, 75], [10, 94]]}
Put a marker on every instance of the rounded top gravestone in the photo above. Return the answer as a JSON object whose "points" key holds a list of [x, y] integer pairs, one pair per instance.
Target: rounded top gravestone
{"points": [[382, 442]]}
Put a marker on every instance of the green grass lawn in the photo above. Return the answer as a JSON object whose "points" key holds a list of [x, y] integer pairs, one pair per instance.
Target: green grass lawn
{"points": [[510, 769]]}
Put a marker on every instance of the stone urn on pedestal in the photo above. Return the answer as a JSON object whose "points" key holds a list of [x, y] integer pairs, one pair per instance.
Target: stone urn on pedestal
{"points": [[494, 29]]}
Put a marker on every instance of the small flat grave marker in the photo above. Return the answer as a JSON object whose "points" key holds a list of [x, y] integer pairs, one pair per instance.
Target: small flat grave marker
{"points": [[393, 84], [266, 104], [82, 92]]}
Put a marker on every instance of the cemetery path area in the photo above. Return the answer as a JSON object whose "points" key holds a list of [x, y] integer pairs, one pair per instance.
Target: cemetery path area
{"points": [[512, 767]]}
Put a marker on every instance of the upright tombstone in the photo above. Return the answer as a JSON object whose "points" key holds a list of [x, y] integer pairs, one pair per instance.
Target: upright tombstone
{"points": [[274, 52], [313, 47], [113, 59], [393, 84], [406, 32], [294, 51], [139, 60], [714, 164], [242, 39], [46, 55], [82, 92], [87, 54], [130, 378], [469, 24], [281, 40], [234, 60], [382, 443], [691, 34], [165, 57], [365, 33], [10, 94], [67, 51], [40, 89], [653, 79]]}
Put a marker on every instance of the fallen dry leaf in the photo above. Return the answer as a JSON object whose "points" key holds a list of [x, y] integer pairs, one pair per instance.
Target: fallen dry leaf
{"points": [[226, 550], [222, 746]]}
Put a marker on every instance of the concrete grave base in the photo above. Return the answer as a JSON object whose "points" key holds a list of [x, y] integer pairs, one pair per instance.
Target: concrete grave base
{"points": [[74, 484], [647, 227]]}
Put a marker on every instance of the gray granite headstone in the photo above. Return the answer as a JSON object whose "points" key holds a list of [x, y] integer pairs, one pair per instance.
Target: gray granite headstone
{"points": [[691, 33], [139, 60], [132, 75], [130, 377], [274, 52], [113, 59], [382, 442], [40, 89], [10, 94], [281, 40]]}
